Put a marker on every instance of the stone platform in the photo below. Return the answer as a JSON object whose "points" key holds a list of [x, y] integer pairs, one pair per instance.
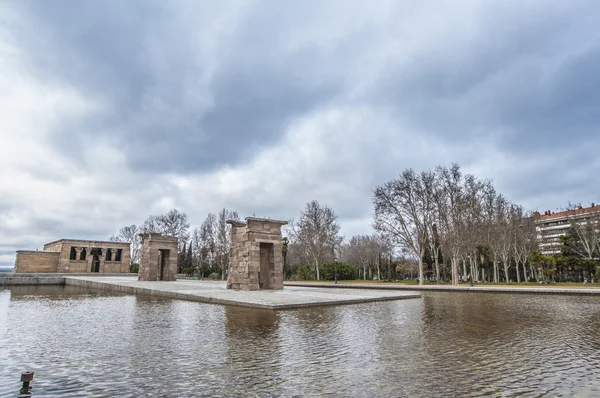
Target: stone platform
{"points": [[217, 293]]}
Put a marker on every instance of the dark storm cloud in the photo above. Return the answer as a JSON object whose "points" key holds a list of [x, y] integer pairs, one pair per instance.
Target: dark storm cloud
{"points": [[343, 97], [104, 51], [527, 77]]}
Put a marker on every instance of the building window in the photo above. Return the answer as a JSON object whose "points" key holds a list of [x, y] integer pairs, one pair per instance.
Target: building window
{"points": [[73, 255], [118, 257], [108, 254], [83, 254]]}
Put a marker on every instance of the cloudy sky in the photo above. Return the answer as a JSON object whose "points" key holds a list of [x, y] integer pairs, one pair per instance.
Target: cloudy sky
{"points": [[114, 110]]}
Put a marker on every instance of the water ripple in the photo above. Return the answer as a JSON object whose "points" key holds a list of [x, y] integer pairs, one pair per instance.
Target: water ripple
{"points": [[94, 344]]}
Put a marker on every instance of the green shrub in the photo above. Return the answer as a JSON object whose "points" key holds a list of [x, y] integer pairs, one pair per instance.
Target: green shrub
{"points": [[215, 276], [344, 271], [134, 268], [304, 273]]}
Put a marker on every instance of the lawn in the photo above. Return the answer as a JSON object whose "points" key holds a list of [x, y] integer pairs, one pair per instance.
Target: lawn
{"points": [[513, 284]]}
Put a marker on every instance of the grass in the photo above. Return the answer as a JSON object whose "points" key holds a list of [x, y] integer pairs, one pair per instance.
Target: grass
{"points": [[513, 284]]}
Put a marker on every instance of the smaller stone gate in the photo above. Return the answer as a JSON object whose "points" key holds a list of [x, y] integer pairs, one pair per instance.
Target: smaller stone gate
{"points": [[256, 255], [158, 258]]}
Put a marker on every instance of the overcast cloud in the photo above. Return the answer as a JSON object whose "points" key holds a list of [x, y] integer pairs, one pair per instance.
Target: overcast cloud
{"points": [[114, 110]]}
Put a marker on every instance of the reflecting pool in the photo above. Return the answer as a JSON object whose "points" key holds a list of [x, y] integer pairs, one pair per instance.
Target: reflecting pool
{"points": [[83, 343]]}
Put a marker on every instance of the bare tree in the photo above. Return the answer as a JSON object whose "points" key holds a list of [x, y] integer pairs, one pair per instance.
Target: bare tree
{"points": [[223, 238], [447, 212], [404, 212], [364, 252], [450, 214], [172, 223], [587, 234], [524, 244], [212, 241], [129, 234], [317, 232]]}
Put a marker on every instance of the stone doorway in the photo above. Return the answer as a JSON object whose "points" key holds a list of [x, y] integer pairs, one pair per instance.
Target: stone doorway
{"points": [[163, 262], [266, 265], [96, 253], [158, 258]]}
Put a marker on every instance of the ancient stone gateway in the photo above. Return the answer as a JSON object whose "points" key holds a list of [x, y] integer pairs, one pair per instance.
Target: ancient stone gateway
{"points": [[256, 254], [158, 258]]}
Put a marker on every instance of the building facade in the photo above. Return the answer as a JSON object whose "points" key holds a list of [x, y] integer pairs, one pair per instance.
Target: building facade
{"points": [[76, 256], [551, 226]]}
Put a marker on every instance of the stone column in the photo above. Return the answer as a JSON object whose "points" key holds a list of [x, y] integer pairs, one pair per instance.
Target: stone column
{"points": [[89, 258], [101, 258]]}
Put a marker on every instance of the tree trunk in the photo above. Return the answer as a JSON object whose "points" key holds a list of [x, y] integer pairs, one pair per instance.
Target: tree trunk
{"points": [[420, 270], [454, 265], [505, 271], [531, 271], [525, 272], [518, 273], [437, 270], [222, 269], [317, 268], [495, 271], [464, 262]]}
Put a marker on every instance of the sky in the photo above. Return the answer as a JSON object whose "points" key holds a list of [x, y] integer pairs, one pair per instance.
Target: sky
{"points": [[115, 110]]}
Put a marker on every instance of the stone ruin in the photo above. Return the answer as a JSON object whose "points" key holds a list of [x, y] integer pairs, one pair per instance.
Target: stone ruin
{"points": [[158, 258], [256, 255]]}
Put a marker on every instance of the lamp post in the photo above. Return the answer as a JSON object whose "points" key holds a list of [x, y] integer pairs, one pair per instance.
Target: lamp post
{"points": [[335, 266], [284, 249]]}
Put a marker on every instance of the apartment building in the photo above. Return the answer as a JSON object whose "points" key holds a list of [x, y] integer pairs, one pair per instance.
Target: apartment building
{"points": [[551, 226]]}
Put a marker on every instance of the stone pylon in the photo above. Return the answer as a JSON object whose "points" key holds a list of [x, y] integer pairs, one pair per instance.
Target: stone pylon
{"points": [[256, 254], [158, 258]]}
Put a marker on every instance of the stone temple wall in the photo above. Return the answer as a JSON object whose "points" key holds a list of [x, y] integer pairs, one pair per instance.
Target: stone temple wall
{"points": [[256, 260], [76, 256], [36, 261]]}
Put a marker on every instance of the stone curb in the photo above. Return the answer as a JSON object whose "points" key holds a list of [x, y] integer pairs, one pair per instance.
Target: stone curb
{"points": [[212, 300], [40, 278], [462, 289]]}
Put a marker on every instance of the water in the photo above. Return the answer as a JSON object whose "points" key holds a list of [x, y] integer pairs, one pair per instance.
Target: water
{"points": [[92, 344]]}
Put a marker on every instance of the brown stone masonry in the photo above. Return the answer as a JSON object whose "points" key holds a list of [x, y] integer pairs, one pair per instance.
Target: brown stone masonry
{"points": [[158, 258], [73, 255], [256, 260]]}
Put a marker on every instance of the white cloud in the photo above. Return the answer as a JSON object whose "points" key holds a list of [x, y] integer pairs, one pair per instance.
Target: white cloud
{"points": [[356, 94]]}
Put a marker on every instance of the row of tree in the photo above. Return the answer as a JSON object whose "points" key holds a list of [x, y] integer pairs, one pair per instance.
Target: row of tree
{"points": [[203, 250], [441, 225]]}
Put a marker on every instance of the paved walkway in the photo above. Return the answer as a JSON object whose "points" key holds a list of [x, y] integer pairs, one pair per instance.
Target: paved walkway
{"points": [[542, 289], [216, 292]]}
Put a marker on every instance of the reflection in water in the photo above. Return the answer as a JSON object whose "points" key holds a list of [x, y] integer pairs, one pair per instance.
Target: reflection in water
{"points": [[86, 343]]}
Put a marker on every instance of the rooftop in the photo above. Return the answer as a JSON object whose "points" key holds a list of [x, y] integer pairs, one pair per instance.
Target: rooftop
{"points": [[548, 215], [108, 242]]}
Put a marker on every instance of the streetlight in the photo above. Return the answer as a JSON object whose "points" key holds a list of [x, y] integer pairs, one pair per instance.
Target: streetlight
{"points": [[335, 265]]}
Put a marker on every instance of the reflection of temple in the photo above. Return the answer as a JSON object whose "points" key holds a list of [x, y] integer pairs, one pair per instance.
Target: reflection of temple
{"points": [[70, 255]]}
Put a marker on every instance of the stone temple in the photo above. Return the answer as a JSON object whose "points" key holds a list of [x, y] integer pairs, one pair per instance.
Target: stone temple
{"points": [[73, 255], [158, 258], [256, 255]]}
